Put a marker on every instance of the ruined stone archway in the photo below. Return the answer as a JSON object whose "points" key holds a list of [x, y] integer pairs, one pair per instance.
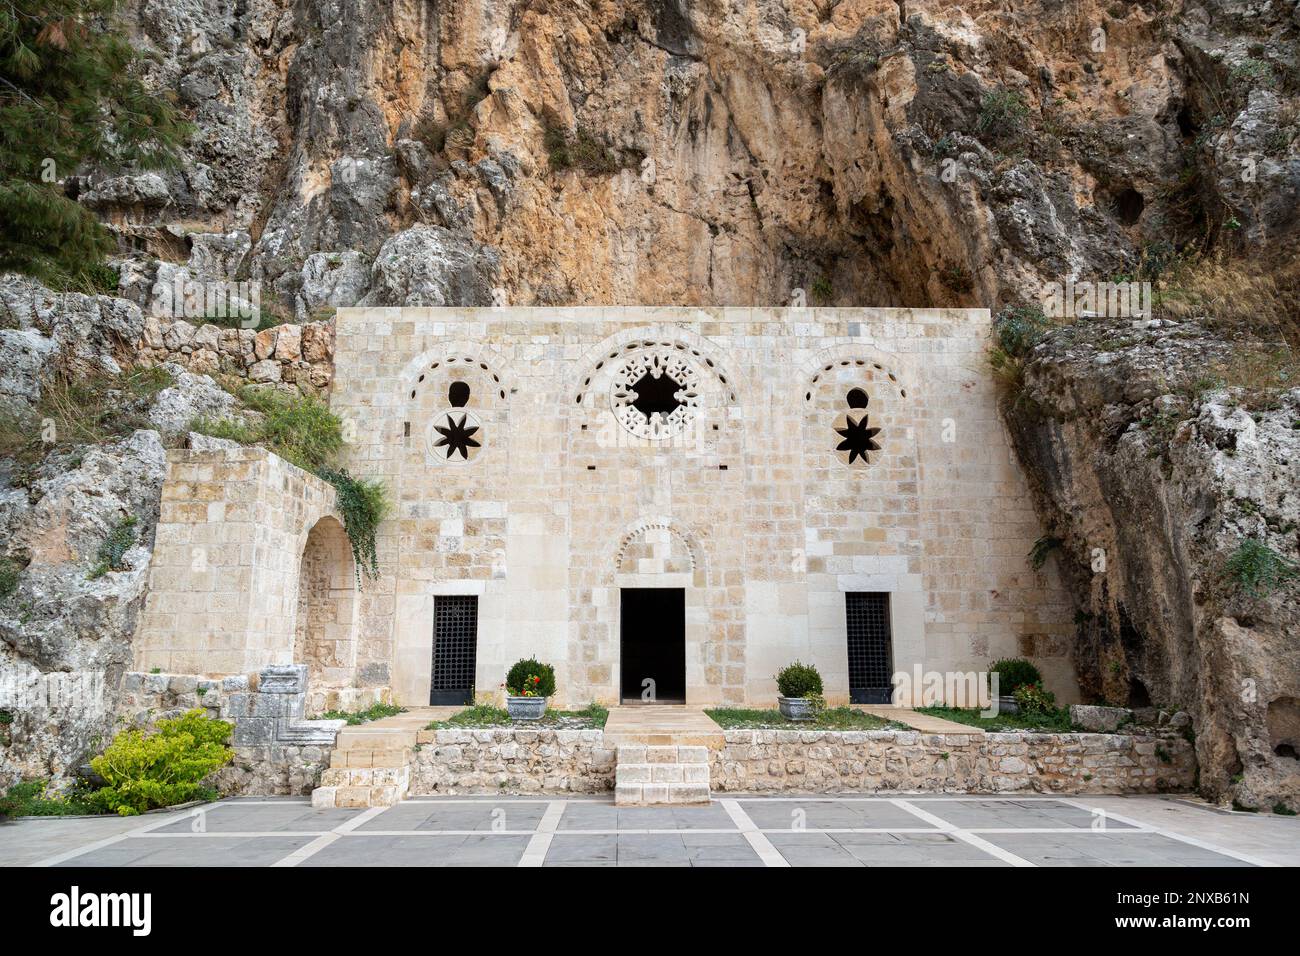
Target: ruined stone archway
{"points": [[325, 633]]}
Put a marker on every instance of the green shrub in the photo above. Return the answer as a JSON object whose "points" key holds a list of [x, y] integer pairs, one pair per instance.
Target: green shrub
{"points": [[1013, 673], [28, 798], [299, 428], [530, 678], [364, 505], [145, 771], [582, 150], [1002, 115], [9, 571], [114, 547], [1256, 569], [1017, 329], [799, 680], [1034, 701]]}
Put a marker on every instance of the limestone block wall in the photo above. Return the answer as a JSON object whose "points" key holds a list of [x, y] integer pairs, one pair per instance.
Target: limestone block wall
{"points": [[300, 356], [508, 760], [743, 498], [223, 580], [580, 761], [826, 761]]}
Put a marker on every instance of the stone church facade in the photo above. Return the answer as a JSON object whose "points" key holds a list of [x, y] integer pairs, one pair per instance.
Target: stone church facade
{"points": [[666, 503]]}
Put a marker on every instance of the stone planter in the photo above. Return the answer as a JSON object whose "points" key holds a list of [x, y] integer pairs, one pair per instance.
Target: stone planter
{"points": [[1008, 705], [796, 708], [526, 708]]}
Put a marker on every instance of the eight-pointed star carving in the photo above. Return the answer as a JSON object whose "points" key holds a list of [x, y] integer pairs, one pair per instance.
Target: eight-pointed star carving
{"points": [[456, 437]]}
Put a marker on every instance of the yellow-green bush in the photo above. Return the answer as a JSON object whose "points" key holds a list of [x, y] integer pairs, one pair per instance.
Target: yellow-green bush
{"points": [[144, 771]]}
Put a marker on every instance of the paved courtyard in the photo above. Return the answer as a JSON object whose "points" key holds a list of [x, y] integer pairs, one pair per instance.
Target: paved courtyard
{"points": [[909, 830]]}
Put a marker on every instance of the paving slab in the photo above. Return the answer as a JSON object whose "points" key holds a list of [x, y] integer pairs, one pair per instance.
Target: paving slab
{"points": [[858, 830]]}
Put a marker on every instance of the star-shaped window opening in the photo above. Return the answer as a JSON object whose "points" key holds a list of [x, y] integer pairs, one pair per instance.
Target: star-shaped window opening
{"points": [[858, 438], [656, 394], [456, 437]]}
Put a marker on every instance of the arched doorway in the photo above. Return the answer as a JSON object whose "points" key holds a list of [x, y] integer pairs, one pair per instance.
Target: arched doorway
{"points": [[325, 633]]}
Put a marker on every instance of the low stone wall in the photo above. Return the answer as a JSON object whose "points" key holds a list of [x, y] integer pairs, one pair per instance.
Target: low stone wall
{"points": [[512, 761], [276, 770], [825, 761], [580, 761], [277, 751], [147, 697]]}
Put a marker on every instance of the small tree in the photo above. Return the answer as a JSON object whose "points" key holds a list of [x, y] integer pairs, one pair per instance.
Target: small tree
{"points": [[69, 96]]}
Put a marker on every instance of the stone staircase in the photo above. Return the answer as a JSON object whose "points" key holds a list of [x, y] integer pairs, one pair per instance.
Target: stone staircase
{"points": [[370, 765], [662, 754], [661, 773]]}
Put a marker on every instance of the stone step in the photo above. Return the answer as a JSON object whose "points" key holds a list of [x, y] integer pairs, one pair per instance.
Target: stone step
{"points": [[648, 774], [371, 758], [651, 794], [663, 753], [375, 738], [661, 773]]}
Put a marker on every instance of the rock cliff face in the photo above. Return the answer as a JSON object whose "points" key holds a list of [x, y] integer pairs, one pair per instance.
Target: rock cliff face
{"points": [[1150, 477], [915, 152], [900, 152]]}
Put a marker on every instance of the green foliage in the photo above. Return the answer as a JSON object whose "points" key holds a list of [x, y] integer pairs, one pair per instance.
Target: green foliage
{"points": [[1257, 569], [799, 680], [530, 678], [593, 717], [1043, 547], [29, 798], [146, 771], [1282, 810], [833, 718], [1017, 329], [364, 505], [373, 712], [1034, 701], [81, 409], [1003, 115], [9, 571], [1014, 672], [299, 428], [1250, 74], [582, 150], [822, 290], [70, 96], [119, 541]]}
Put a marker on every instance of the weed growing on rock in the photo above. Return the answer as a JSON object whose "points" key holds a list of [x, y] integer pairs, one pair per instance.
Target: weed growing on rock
{"points": [[120, 540], [1256, 569]]}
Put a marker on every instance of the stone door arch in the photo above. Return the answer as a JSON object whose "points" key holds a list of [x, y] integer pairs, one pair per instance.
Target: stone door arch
{"points": [[325, 633]]}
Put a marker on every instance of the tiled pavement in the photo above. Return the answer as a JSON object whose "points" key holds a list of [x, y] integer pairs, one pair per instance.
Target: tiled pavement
{"points": [[908, 830]]}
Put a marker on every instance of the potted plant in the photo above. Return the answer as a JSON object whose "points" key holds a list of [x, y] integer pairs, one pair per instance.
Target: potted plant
{"points": [[1013, 673], [528, 684], [800, 689]]}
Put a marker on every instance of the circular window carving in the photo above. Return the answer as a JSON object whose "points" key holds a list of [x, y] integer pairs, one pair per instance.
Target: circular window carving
{"points": [[455, 435], [655, 394]]}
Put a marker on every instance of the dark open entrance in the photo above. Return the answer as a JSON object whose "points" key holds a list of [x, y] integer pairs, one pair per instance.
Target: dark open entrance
{"points": [[455, 649], [653, 631], [871, 653]]}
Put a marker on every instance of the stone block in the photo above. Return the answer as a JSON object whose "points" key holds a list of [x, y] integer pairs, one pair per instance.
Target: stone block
{"points": [[322, 798]]}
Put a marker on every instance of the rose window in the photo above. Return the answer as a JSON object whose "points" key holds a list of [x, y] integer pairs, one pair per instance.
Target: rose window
{"points": [[655, 394]]}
